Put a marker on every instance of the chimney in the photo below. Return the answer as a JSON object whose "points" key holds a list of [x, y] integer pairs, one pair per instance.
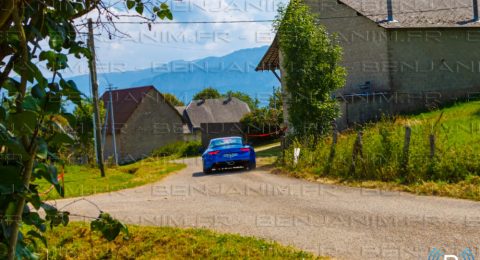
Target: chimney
{"points": [[475, 10], [229, 98], [390, 11]]}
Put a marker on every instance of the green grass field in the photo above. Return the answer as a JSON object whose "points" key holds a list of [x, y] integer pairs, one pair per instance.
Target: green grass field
{"points": [[82, 180], [453, 171], [76, 241]]}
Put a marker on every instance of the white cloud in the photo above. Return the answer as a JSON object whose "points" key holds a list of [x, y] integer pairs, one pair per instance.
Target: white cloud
{"points": [[166, 42]]}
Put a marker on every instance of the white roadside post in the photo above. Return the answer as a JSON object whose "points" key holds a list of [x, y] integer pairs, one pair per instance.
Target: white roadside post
{"points": [[296, 154]]}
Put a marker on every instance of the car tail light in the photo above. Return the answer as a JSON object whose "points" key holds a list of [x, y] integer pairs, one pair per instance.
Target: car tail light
{"points": [[245, 149], [213, 152]]}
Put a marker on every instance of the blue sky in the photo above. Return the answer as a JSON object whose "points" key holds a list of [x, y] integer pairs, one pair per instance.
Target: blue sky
{"points": [[166, 42]]}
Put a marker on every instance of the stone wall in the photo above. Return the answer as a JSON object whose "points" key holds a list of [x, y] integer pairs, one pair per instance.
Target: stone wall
{"points": [[153, 124]]}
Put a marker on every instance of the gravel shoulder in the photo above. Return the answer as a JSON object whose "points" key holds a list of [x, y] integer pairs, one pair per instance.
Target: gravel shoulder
{"points": [[343, 222]]}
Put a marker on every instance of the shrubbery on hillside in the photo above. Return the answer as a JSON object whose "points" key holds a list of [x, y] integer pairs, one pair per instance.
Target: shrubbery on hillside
{"points": [[455, 157]]}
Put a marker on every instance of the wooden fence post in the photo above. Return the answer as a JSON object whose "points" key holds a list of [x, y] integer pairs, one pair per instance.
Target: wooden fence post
{"points": [[406, 147], [331, 157], [357, 150], [360, 143], [432, 146]]}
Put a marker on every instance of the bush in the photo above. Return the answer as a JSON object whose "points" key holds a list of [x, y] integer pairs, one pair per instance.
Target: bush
{"points": [[179, 149]]}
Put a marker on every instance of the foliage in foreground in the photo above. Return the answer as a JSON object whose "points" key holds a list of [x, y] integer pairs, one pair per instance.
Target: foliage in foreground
{"points": [[453, 171], [179, 149], [311, 61], [39, 33], [77, 242]]}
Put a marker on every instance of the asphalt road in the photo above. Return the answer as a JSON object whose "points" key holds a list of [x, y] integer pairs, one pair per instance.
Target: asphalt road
{"points": [[346, 223]]}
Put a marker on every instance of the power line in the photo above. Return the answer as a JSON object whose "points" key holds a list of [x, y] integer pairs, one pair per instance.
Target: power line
{"points": [[183, 22], [271, 20]]}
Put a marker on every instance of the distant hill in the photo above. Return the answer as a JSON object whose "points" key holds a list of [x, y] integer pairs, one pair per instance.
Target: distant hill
{"points": [[235, 71]]}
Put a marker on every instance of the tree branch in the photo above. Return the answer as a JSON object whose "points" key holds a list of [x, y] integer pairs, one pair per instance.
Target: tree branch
{"points": [[88, 8], [28, 164], [6, 9], [7, 69]]}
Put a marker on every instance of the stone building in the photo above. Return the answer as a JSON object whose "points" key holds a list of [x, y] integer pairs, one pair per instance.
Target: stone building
{"points": [[212, 118], [401, 56], [144, 120]]}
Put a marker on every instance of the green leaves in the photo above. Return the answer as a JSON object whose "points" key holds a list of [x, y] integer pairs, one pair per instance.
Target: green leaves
{"points": [[55, 217], [139, 8], [49, 173], [42, 149], [71, 91], [130, 4], [34, 234], [312, 62], [77, 50], [16, 149], [3, 114], [3, 250], [109, 227], [61, 138], [163, 12], [55, 61], [56, 41], [38, 92], [32, 115], [34, 219], [12, 86], [10, 179], [23, 122], [53, 103]]}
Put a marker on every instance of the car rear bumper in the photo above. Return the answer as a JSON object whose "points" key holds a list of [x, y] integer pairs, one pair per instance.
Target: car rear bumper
{"points": [[229, 164]]}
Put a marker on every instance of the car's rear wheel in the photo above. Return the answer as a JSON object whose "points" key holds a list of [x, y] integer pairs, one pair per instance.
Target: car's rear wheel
{"points": [[250, 165], [207, 170]]}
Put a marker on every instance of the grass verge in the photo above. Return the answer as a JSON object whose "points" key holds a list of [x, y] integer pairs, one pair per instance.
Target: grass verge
{"points": [[468, 189], [267, 155], [82, 180], [451, 168], [76, 241]]}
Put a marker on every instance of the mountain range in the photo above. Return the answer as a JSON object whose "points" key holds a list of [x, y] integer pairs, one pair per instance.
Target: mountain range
{"points": [[235, 71]]}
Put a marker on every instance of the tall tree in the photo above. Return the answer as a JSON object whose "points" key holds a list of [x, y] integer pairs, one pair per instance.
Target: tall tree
{"points": [[207, 93], [311, 60], [251, 102], [33, 33], [173, 99]]}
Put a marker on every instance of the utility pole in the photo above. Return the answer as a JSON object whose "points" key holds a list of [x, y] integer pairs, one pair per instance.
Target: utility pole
{"points": [[110, 89], [93, 78]]}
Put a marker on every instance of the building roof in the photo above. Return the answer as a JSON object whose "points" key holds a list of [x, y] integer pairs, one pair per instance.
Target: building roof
{"points": [[270, 60], [180, 109], [417, 13], [126, 101], [220, 110]]}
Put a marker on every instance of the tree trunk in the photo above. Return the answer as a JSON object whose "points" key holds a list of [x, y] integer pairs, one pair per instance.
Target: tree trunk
{"points": [[28, 143]]}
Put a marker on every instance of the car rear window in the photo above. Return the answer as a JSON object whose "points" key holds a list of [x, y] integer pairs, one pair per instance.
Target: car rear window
{"points": [[226, 141]]}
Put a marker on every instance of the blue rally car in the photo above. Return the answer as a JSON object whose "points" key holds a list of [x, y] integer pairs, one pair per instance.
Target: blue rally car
{"points": [[228, 152]]}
